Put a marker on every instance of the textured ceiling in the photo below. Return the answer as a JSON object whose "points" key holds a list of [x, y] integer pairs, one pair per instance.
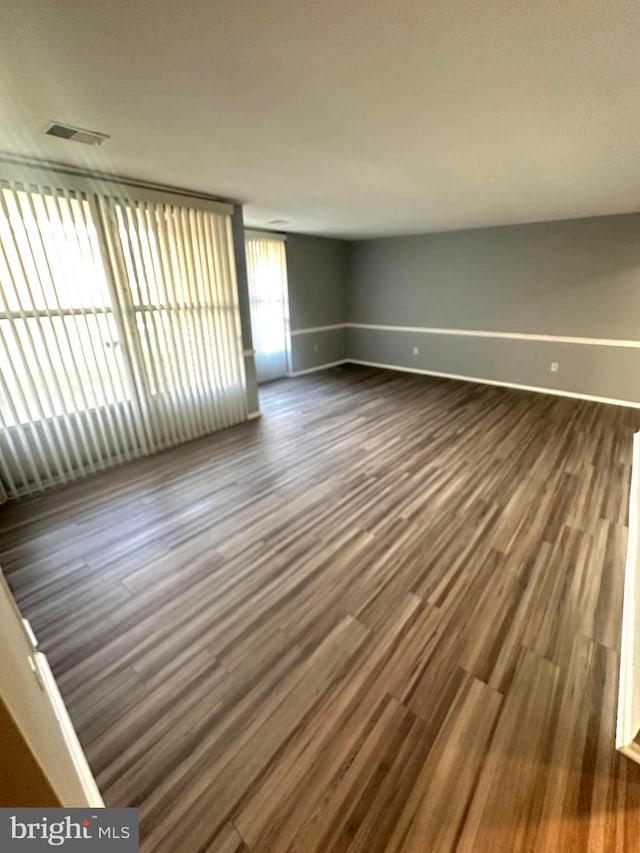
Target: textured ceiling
{"points": [[343, 117]]}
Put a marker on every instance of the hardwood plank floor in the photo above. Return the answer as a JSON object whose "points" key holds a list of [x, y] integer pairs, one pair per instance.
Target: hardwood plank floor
{"points": [[384, 617]]}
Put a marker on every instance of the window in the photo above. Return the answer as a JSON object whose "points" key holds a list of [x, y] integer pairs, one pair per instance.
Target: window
{"points": [[119, 328], [54, 306], [267, 277]]}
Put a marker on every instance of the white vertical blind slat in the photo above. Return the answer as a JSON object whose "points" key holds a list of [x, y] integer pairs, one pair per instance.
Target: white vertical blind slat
{"points": [[218, 310], [223, 356], [175, 344], [28, 453], [50, 440], [31, 449], [199, 301], [128, 415], [100, 433], [111, 377], [56, 380], [192, 314], [123, 313], [74, 356], [146, 321], [218, 396], [165, 377]]}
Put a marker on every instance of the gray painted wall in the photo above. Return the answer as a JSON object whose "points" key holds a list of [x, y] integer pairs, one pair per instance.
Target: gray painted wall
{"points": [[317, 273], [318, 348], [578, 278]]}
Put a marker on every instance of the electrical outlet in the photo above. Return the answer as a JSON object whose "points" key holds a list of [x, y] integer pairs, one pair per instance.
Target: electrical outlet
{"points": [[554, 366], [416, 350]]}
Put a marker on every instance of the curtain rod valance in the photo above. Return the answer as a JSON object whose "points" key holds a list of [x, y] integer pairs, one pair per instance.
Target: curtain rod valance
{"points": [[60, 177], [255, 234]]}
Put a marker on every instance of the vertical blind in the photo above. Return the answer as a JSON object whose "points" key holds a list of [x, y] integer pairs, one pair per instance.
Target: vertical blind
{"points": [[119, 330], [267, 277]]}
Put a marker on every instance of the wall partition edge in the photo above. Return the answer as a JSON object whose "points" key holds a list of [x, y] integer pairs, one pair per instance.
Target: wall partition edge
{"points": [[253, 403], [98, 191], [628, 716]]}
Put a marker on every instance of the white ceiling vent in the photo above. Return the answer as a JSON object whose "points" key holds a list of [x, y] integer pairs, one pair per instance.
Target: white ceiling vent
{"points": [[76, 134]]}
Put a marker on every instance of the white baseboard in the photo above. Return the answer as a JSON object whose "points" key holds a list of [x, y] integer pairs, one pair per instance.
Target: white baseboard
{"points": [[253, 415], [482, 381], [319, 367]]}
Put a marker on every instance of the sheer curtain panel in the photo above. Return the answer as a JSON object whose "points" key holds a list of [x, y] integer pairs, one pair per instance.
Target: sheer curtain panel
{"points": [[268, 299], [119, 328]]}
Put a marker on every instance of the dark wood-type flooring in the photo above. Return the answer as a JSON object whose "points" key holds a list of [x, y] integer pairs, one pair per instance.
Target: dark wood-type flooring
{"points": [[385, 616]]}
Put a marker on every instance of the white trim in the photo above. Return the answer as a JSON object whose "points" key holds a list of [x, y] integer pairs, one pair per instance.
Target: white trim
{"points": [[519, 336], [257, 234], [31, 633], [313, 329], [253, 415], [320, 367], [539, 390], [476, 333], [71, 742], [628, 723]]}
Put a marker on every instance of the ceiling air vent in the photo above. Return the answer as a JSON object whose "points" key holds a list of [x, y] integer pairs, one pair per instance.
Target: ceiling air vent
{"points": [[76, 134]]}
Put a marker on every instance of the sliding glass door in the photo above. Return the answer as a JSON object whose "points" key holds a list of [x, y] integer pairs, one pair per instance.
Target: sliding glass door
{"points": [[119, 328], [180, 300], [267, 276]]}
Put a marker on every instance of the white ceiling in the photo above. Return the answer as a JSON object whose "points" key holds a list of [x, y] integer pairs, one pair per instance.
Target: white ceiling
{"points": [[343, 117]]}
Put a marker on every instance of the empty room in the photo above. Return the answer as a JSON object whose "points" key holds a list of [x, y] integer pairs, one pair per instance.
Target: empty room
{"points": [[319, 426]]}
